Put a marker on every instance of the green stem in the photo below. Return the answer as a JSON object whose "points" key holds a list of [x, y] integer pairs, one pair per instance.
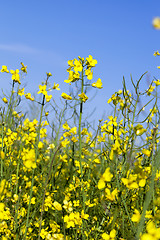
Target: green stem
{"points": [[36, 155], [80, 150]]}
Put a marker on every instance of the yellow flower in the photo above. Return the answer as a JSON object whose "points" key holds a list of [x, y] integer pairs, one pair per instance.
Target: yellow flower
{"points": [[157, 82], [56, 86], [42, 89], [65, 126], [70, 63], [15, 75], [146, 152], [156, 23], [49, 74], [48, 97], [84, 215], [5, 100], [139, 130], [90, 61], [111, 195], [73, 76], [28, 96], [29, 159], [156, 53], [21, 92], [77, 66], [106, 177], [136, 216], [4, 69], [66, 96], [23, 68], [57, 206], [110, 236], [97, 84], [153, 233], [89, 73], [40, 145], [83, 97], [130, 182], [151, 88]]}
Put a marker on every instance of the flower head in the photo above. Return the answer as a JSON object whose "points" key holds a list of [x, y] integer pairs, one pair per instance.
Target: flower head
{"points": [[23, 68], [97, 84], [15, 75], [90, 61], [83, 97], [56, 86], [4, 69], [66, 96]]}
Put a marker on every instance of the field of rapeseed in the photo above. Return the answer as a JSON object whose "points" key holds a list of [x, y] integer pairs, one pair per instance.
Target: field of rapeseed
{"points": [[80, 182]]}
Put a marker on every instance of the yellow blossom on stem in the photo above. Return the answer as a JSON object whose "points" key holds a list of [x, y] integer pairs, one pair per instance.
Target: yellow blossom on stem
{"points": [[110, 236], [15, 75], [5, 100], [66, 96], [49, 74], [136, 216], [156, 53], [139, 130], [48, 97], [21, 92], [28, 96], [106, 177], [56, 86], [57, 206], [146, 152], [4, 69], [90, 61], [97, 84], [111, 195], [157, 82], [23, 68], [42, 89], [131, 181], [151, 88], [153, 233], [89, 73], [65, 126], [77, 66], [83, 97]]}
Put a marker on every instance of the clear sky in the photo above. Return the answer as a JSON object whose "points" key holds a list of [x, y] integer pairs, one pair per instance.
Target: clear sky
{"points": [[44, 35]]}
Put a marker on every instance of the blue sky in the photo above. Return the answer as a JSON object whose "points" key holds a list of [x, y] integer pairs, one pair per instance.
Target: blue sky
{"points": [[44, 35]]}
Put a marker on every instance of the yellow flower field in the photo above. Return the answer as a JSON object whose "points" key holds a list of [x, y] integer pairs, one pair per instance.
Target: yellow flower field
{"points": [[79, 182]]}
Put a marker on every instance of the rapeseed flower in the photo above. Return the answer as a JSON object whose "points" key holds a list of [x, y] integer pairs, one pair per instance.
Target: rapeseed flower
{"points": [[15, 75], [97, 84], [83, 97], [66, 96], [23, 68], [90, 61], [4, 69], [5, 100], [28, 96]]}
